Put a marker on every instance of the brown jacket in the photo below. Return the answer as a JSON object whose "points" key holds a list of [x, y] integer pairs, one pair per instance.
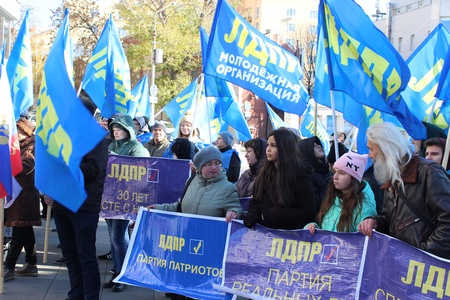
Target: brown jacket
{"points": [[25, 211]]}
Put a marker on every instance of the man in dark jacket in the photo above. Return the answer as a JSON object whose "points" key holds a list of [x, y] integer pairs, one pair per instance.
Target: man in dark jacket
{"points": [[77, 231], [230, 158], [416, 207]]}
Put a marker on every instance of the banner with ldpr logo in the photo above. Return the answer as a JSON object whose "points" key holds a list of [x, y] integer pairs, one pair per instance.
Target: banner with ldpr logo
{"points": [[178, 253], [291, 264], [196, 256], [262, 263], [132, 182]]}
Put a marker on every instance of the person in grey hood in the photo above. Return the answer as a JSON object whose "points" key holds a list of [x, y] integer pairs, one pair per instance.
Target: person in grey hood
{"points": [[123, 137], [124, 142]]}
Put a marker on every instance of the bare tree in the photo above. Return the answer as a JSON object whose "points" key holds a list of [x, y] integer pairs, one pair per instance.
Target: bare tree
{"points": [[305, 43], [85, 27]]}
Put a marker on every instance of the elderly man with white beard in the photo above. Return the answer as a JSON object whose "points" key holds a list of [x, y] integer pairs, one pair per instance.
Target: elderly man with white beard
{"points": [[416, 207]]}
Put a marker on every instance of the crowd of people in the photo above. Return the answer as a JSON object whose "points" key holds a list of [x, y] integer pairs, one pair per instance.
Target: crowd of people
{"points": [[290, 182]]}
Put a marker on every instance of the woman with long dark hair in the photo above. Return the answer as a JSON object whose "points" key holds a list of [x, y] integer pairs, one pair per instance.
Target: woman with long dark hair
{"points": [[283, 197], [349, 199]]}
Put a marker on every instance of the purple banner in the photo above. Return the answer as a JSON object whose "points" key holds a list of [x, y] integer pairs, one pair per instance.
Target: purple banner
{"points": [[292, 264], [132, 182], [328, 265], [395, 270]]}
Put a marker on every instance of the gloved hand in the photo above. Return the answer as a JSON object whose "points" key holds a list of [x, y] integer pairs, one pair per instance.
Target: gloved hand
{"points": [[250, 221]]}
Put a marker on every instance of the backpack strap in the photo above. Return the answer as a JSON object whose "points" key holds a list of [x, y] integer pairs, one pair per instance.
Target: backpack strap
{"points": [[415, 210], [184, 192]]}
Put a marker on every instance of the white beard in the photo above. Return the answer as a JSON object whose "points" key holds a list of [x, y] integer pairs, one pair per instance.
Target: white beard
{"points": [[380, 171]]}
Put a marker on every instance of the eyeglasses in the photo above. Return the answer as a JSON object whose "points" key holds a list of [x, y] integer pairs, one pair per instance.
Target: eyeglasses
{"points": [[215, 163]]}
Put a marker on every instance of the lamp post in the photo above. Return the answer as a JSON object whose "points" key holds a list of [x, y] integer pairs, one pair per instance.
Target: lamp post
{"points": [[153, 88]]}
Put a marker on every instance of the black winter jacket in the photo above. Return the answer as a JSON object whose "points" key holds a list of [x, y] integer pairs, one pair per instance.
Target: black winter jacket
{"points": [[427, 187]]}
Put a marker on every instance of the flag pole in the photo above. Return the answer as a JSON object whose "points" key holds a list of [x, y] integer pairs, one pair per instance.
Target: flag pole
{"points": [[446, 153], [195, 107], [47, 233], [161, 110], [2, 238], [333, 116], [315, 118], [432, 110], [197, 100]]}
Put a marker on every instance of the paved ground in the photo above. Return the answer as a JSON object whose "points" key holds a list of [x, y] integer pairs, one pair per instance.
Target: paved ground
{"points": [[53, 280]]}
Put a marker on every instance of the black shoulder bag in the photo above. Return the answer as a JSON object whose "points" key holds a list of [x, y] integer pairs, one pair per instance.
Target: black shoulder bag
{"points": [[184, 192]]}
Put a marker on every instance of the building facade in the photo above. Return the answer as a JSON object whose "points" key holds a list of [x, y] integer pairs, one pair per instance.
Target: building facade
{"points": [[9, 12], [407, 23]]}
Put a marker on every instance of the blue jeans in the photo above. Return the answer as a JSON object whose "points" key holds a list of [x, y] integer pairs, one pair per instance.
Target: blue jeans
{"points": [[77, 235], [119, 241]]}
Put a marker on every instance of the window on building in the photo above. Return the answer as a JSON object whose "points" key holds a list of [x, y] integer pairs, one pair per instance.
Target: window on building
{"points": [[399, 47], [291, 42], [257, 12], [95, 13], [290, 27], [412, 42], [312, 29], [257, 25], [313, 14], [291, 12]]}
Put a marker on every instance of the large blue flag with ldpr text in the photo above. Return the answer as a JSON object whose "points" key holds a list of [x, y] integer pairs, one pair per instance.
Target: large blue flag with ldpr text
{"points": [[239, 53], [107, 75], [362, 63], [65, 130], [19, 70], [427, 65]]}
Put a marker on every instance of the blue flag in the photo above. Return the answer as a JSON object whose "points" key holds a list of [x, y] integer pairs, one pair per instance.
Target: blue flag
{"points": [[307, 128], [240, 54], [363, 63], [2, 56], [176, 108], [19, 70], [274, 118], [140, 100], [427, 65], [231, 115], [227, 111], [443, 89], [359, 115], [107, 75], [65, 130]]}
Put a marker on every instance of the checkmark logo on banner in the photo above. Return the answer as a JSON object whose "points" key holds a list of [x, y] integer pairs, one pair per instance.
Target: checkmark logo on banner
{"points": [[196, 246], [330, 254], [153, 175]]}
